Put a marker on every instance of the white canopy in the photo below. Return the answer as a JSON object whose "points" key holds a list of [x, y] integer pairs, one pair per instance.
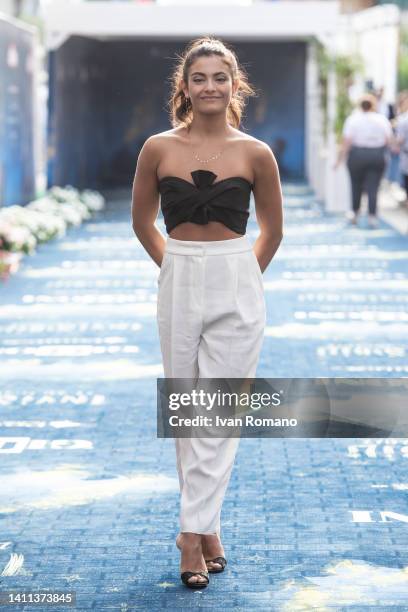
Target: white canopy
{"points": [[291, 20]]}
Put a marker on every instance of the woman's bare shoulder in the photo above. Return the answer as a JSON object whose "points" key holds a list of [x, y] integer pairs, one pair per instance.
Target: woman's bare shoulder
{"points": [[258, 150], [157, 146], [257, 145], [163, 138], [250, 142]]}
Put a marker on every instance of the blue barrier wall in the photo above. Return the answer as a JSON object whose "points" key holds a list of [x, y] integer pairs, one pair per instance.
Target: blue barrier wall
{"points": [[276, 116], [77, 103], [17, 174], [106, 98]]}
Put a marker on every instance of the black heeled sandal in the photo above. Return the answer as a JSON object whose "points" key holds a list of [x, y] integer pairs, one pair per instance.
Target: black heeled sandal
{"points": [[221, 561], [185, 576]]}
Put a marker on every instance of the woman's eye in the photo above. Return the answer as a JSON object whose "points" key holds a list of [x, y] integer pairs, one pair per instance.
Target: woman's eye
{"points": [[221, 79]]}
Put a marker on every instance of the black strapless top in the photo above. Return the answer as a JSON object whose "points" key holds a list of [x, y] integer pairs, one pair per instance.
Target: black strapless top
{"points": [[226, 201]]}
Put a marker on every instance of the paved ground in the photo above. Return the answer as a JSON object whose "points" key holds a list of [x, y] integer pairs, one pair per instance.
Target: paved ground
{"points": [[392, 206], [88, 495]]}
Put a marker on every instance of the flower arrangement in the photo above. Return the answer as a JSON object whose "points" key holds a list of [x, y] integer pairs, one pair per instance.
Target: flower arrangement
{"points": [[23, 227], [8, 262]]}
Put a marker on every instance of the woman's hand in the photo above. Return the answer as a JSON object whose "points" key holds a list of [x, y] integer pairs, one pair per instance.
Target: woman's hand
{"points": [[345, 146]]}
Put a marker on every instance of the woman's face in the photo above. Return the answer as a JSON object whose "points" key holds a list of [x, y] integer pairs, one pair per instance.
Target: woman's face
{"points": [[210, 85]]}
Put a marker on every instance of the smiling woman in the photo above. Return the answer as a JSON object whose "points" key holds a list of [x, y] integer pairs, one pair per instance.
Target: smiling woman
{"points": [[211, 307]]}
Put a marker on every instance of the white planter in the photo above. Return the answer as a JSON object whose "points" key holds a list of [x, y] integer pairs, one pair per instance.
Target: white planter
{"points": [[338, 188]]}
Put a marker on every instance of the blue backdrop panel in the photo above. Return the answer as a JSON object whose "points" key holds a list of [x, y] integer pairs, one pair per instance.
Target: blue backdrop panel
{"points": [[77, 107], [276, 115], [17, 178], [106, 98]]}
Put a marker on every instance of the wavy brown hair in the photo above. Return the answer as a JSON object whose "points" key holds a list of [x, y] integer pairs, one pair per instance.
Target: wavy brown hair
{"points": [[181, 111]]}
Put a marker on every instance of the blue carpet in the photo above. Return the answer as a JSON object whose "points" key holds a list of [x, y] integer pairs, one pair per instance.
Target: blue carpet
{"points": [[89, 495]]}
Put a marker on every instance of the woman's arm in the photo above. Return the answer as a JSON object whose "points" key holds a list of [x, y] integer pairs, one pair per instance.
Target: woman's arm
{"points": [[394, 144], [343, 152], [268, 204], [400, 135], [145, 200]]}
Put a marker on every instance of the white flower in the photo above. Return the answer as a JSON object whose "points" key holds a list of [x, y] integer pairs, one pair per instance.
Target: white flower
{"points": [[43, 226], [93, 199], [21, 227], [64, 194], [16, 237]]}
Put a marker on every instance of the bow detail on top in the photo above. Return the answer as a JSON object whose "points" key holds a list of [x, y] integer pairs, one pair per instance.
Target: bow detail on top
{"points": [[203, 178]]}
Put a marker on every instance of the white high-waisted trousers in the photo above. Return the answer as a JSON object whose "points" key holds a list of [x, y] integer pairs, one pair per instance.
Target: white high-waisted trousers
{"points": [[211, 320]]}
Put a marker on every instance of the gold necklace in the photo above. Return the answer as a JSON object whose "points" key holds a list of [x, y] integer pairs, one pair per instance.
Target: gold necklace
{"points": [[206, 161]]}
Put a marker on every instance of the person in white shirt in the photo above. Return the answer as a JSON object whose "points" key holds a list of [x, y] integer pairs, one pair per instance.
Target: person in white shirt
{"points": [[382, 105], [366, 136]]}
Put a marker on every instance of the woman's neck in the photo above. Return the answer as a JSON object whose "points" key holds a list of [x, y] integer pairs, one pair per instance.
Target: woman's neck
{"points": [[213, 128]]}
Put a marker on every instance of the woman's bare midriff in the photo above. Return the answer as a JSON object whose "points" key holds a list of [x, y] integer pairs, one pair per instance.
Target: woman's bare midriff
{"points": [[213, 230]]}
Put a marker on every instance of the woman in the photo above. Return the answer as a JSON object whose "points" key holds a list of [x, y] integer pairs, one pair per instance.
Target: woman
{"points": [[211, 305], [366, 134]]}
